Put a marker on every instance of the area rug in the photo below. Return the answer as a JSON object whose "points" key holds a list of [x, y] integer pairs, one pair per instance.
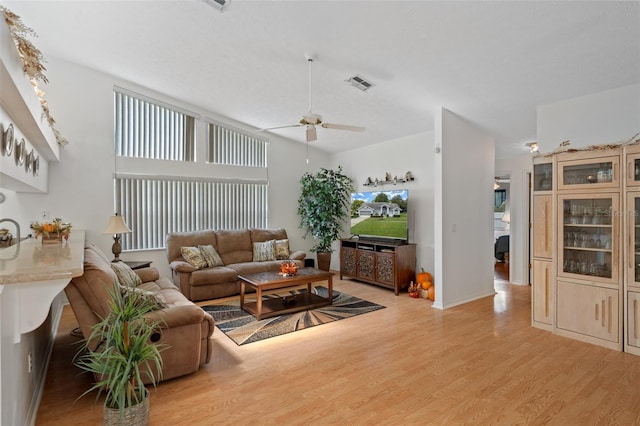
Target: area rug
{"points": [[242, 327]]}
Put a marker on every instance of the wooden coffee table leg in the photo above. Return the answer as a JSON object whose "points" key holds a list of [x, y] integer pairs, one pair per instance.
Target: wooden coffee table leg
{"points": [[331, 289], [242, 290], [259, 303]]}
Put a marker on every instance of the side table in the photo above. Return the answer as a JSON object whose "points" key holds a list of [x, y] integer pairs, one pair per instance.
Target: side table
{"points": [[138, 264]]}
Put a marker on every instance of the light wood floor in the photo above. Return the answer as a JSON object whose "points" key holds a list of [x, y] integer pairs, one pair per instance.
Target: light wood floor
{"points": [[479, 363]]}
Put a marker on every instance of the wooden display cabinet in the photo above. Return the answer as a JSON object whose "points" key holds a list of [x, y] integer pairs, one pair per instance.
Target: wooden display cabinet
{"points": [[387, 264]]}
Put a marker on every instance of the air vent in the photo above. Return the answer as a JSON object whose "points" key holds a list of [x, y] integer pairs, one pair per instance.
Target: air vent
{"points": [[360, 82], [218, 4]]}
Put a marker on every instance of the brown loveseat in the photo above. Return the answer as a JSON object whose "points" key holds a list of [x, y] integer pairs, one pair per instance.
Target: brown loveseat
{"points": [[235, 248], [186, 328]]}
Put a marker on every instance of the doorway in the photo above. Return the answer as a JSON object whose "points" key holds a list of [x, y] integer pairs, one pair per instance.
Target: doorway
{"points": [[501, 223]]}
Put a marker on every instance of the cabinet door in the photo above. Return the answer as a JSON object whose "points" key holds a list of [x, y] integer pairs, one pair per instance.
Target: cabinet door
{"points": [[587, 174], [542, 226], [633, 319], [588, 237], [348, 261], [632, 212], [385, 268], [633, 169], [543, 292], [366, 264], [542, 177], [588, 310]]}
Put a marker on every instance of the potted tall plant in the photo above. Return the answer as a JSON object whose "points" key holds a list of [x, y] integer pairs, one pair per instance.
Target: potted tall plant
{"points": [[122, 356], [323, 207]]}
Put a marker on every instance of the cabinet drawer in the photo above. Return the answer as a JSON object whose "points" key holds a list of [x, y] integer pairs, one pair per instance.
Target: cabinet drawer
{"points": [[588, 310]]}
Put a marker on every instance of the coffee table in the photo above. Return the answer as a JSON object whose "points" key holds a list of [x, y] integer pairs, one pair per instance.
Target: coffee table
{"points": [[265, 281]]}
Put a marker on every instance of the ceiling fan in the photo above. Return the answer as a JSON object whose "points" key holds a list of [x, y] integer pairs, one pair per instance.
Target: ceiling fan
{"points": [[311, 120]]}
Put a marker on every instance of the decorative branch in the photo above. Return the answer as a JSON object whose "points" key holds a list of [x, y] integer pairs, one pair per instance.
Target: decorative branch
{"points": [[563, 147], [32, 63]]}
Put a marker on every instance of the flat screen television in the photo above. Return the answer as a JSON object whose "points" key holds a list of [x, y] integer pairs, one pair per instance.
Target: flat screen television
{"points": [[380, 214]]}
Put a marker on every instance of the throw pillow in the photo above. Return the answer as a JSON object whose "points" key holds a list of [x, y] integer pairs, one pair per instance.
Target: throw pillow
{"points": [[282, 249], [194, 257], [125, 274], [143, 297], [264, 251], [210, 255]]}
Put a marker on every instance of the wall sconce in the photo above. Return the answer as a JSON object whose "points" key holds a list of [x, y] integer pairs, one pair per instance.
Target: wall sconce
{"points": [[533, 146], [116, 227]]}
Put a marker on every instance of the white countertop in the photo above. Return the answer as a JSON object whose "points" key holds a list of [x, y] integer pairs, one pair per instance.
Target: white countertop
{"points": [[37, 262]]}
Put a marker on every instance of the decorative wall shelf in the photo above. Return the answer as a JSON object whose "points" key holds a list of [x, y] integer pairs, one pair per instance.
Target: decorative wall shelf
{"points": [[388, 179]]}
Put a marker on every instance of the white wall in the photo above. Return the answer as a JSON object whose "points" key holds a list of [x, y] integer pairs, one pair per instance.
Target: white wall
{"points": [[464, 175], [518, 169], [599, 118], [411, 153]]}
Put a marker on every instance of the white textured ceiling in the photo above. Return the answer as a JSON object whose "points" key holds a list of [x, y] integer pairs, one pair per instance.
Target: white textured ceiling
{"points": [[490, 62]]}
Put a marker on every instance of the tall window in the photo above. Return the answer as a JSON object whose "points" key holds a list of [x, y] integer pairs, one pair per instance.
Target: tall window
{"points": [[155, 205], [235, 147], [148, 129]]}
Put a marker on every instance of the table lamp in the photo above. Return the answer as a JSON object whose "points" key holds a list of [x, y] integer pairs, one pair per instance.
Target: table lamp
{"points": [[116, 227]]}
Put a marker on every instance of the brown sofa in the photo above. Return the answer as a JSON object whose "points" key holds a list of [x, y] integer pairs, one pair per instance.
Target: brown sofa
{"points": [[186, 328], [235, 248]]}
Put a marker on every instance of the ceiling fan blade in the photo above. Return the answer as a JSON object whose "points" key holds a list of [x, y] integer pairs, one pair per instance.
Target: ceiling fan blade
{"points": [[280, 127], [343, 127], [312, 135]]}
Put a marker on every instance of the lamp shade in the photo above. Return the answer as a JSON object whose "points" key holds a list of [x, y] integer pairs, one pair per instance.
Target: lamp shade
{"points": [[116, 226]]}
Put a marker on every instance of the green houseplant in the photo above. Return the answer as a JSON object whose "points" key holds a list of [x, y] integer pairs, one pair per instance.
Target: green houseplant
{"points": [[122, 356], [323, 207]]}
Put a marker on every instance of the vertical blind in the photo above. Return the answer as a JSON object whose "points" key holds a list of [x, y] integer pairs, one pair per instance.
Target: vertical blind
{"points": [[144, 129], [155, 206], [235, 148]]}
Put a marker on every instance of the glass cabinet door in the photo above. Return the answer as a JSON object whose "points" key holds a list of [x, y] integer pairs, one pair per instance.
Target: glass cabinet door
{"points": [[543, 177], [633, 170], [588, 237], [633, 249], [591, 173]]}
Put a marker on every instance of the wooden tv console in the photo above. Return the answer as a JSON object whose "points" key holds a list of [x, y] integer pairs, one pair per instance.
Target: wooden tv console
{"points": [[390, 264]]}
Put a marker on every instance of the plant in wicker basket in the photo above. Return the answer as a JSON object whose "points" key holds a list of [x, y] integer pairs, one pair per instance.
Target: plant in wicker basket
{"points": [[122, 356]]}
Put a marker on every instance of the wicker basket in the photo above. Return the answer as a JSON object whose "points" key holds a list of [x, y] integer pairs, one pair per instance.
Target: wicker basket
{"points": [[136, 415]]}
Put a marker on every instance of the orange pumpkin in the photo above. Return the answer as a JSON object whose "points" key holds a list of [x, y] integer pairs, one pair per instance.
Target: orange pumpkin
{"points": [[431, 293], [423, 276]]}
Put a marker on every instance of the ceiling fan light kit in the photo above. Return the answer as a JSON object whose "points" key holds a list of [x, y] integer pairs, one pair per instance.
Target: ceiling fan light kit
{"points": [[311, 120]]}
